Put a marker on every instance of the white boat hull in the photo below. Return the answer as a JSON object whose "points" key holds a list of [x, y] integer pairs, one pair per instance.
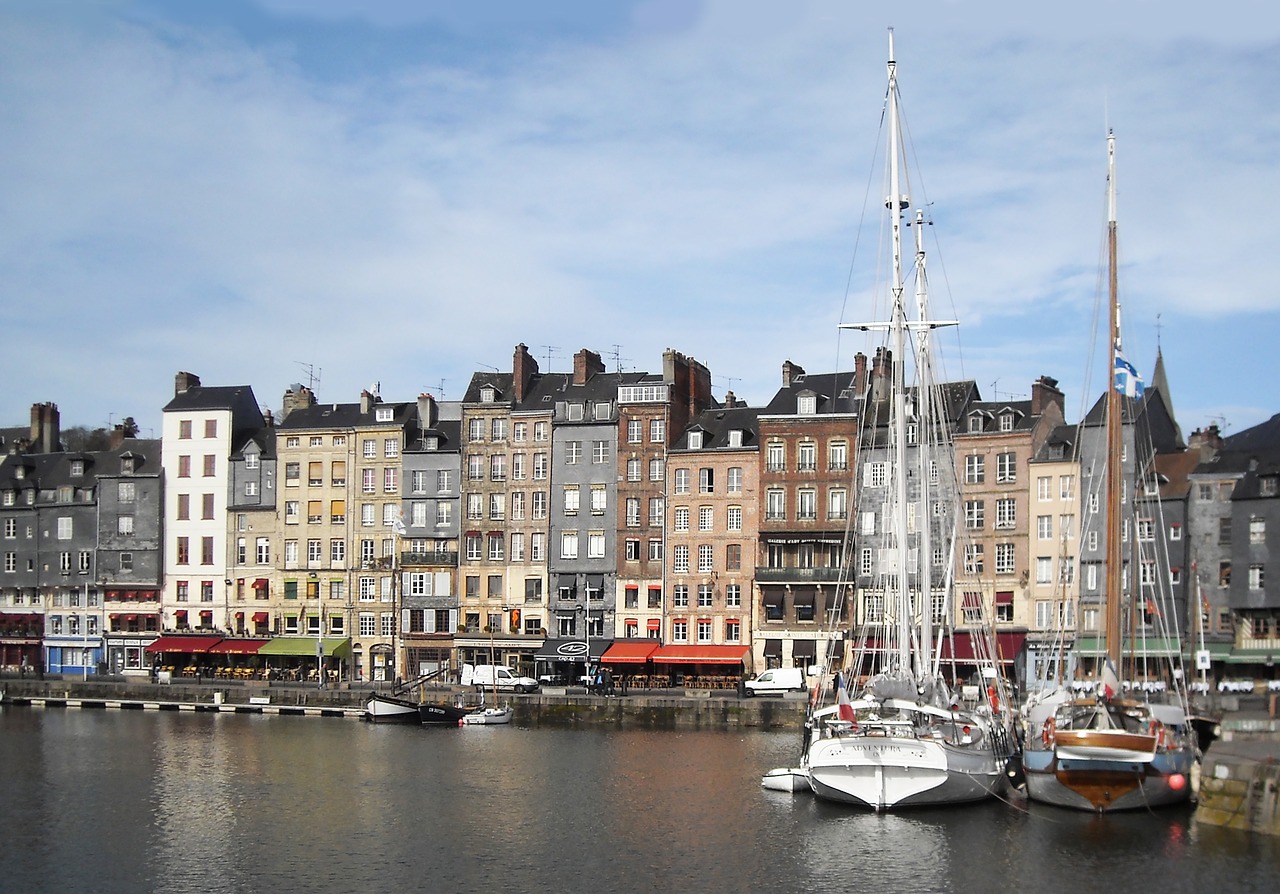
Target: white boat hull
{"points": [[386, 709], [787, 779], [488, 717], [887, 772]]}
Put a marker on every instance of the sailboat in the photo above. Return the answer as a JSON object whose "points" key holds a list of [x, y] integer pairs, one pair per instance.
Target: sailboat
{"points": [[489, 715], [897, 735], [1122, 746]]}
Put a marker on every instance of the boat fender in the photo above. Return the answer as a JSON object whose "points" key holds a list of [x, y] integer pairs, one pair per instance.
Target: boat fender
{"points": [[1157, 730], [1047, 734]]}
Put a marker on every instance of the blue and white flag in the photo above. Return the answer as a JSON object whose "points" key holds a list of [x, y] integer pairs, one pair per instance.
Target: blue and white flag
{"points": [[1128, 382]]}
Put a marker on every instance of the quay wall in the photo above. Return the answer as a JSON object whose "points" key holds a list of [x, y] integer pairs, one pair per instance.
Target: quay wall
{"points": [[673, 709], [1240, 774]]}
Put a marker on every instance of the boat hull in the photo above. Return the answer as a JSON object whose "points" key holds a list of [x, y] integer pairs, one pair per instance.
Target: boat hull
{"points": [[888, 772], [449, 715], [387, 709], [786, 779], [1103, 783], [487, 717]]}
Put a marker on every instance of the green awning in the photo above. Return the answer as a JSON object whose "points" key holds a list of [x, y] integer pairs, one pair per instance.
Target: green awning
{"points": [[299, 646], [1151, 647], [1253, 656]]}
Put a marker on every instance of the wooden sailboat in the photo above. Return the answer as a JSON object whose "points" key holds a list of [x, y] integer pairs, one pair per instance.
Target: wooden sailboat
{"points": [[489, 715], [901, 737], [1115, 749]]}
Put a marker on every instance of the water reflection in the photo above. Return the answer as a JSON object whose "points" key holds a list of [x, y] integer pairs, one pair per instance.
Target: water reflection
{"points": [[124, 801]]}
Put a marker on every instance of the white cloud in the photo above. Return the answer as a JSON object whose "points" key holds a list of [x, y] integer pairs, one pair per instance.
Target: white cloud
{"points": [[189, 196]]}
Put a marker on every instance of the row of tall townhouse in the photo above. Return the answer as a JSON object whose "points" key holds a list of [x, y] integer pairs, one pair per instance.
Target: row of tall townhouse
{"points": [[546, 514]]}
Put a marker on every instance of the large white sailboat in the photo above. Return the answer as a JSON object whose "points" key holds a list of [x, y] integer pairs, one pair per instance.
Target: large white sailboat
{"points": [[1129, 743], [900, 734]]}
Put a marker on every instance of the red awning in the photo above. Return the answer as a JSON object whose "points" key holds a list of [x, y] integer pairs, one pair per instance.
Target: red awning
{"points": [[630, 651], [1004, 597], [188, 645], [1008, 645], [260, 617], [238, 647], [654, 624], [702, 654], [260, 584]]}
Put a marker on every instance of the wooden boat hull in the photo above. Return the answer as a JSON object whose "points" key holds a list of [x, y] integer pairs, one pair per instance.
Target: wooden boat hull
{"points": [[388, 709], [1098, 784]]}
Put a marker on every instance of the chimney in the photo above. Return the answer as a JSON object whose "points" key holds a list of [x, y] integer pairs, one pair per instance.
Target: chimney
{"points": [[1044, 391], [298, 397], [428, 411], [789, 372], [730, 400], [46, 431], [859, 374], [116, 439], [184, 382], [585, 365], [881, 374], [366, 401], [523, 368], [1208, 441], [268, 419]]}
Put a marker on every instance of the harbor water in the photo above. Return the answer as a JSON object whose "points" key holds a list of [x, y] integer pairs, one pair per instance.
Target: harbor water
{"points": [[132, 801]]}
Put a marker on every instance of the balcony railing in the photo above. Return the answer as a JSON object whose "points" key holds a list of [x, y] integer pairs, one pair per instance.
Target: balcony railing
{"points": [[766, 575]]}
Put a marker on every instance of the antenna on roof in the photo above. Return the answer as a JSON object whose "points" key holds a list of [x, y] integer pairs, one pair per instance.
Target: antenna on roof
{"points": [[440, 388], [313, 374], [487, 366], [552, 351], [618, 358]]}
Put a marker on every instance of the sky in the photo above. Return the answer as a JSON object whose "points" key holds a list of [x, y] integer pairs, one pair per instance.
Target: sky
{"points": [[352, 193]]}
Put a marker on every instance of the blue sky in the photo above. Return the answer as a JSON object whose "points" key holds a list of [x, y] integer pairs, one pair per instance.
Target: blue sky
{"points": [[401, 192]]}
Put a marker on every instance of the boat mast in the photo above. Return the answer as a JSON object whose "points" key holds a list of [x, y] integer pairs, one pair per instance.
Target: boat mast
{"points": [[924, 426], [897, 203], [1114, 477]]}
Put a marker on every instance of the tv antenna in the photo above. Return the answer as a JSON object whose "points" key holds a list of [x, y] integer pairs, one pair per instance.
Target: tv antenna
{"points": [[552, 351], [313, 374], [618, 358]]}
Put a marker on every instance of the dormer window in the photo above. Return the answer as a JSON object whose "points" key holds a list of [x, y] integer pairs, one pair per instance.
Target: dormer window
{"points": [[695, 440], [735, 437], [807, 404], [975, 423], [603, 410], [575, 412], [1267, 486], [77, 468], [384, 414], [1006, 421], [488, 394], [19, 472], [433, 443], [127, 464]]}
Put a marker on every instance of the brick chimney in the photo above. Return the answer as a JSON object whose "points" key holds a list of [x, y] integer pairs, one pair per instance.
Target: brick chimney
{"points": [[586, 364], [1044, 391], [1208, 441], [730, 400], [297, 397], [366, 401], [46, 428], [116, 439], [184, 382], [859, 374], [881, 374], [523, 368], [789, 372]]}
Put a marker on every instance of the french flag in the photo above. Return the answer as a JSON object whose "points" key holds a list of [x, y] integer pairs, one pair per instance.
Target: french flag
{"points": [[842, 700]]}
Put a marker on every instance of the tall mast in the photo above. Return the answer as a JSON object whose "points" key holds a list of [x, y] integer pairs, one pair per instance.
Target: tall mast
{"points": [[1114, 478], [924, 411], [897, 203]]}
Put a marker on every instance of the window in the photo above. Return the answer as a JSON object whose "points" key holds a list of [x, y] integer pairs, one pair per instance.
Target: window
{"points": [[1006, 513], [184, 507], [807, 456], [1224, 531], [734, 480], [571, 499], [206, 506], [681, 522], [657, 431], [733, 518], [595, 545], [974, 514], [1257, 529], [518, 470], [210, 465], [475, 429], [657, 469], [572, 452], [599, 499], [537, 546], [498, 430], [539, 504], [1006, 468], [391, 480], [475, 467], [775, 457], [635, 431], [1044, 570], [875, 474], [632, 550], [1044, 527], [497, 552], [633, 512], [206, 550], [262, 550], [973, 554], [569, 545], [733, 596], [838, 456], [1004, 558], [680, 559], [1256, 576], [657, 512], [681, 481], [775, 504], [705, 558], [599, 452], [475, 547], [124, 524], [806, 503], [633, 469], [974, 469], [1067, 487], [680, 596], [539, 466], [706, 517], [184, 429], [498, 467]]}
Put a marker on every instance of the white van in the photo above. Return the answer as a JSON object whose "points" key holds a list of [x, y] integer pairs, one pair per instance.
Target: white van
{"points": [[779, 680], [496, 676]]}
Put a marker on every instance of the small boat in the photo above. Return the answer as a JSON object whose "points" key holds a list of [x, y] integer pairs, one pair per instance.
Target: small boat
{"points": [[389, 709], [487, 717], [786, 779]]}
